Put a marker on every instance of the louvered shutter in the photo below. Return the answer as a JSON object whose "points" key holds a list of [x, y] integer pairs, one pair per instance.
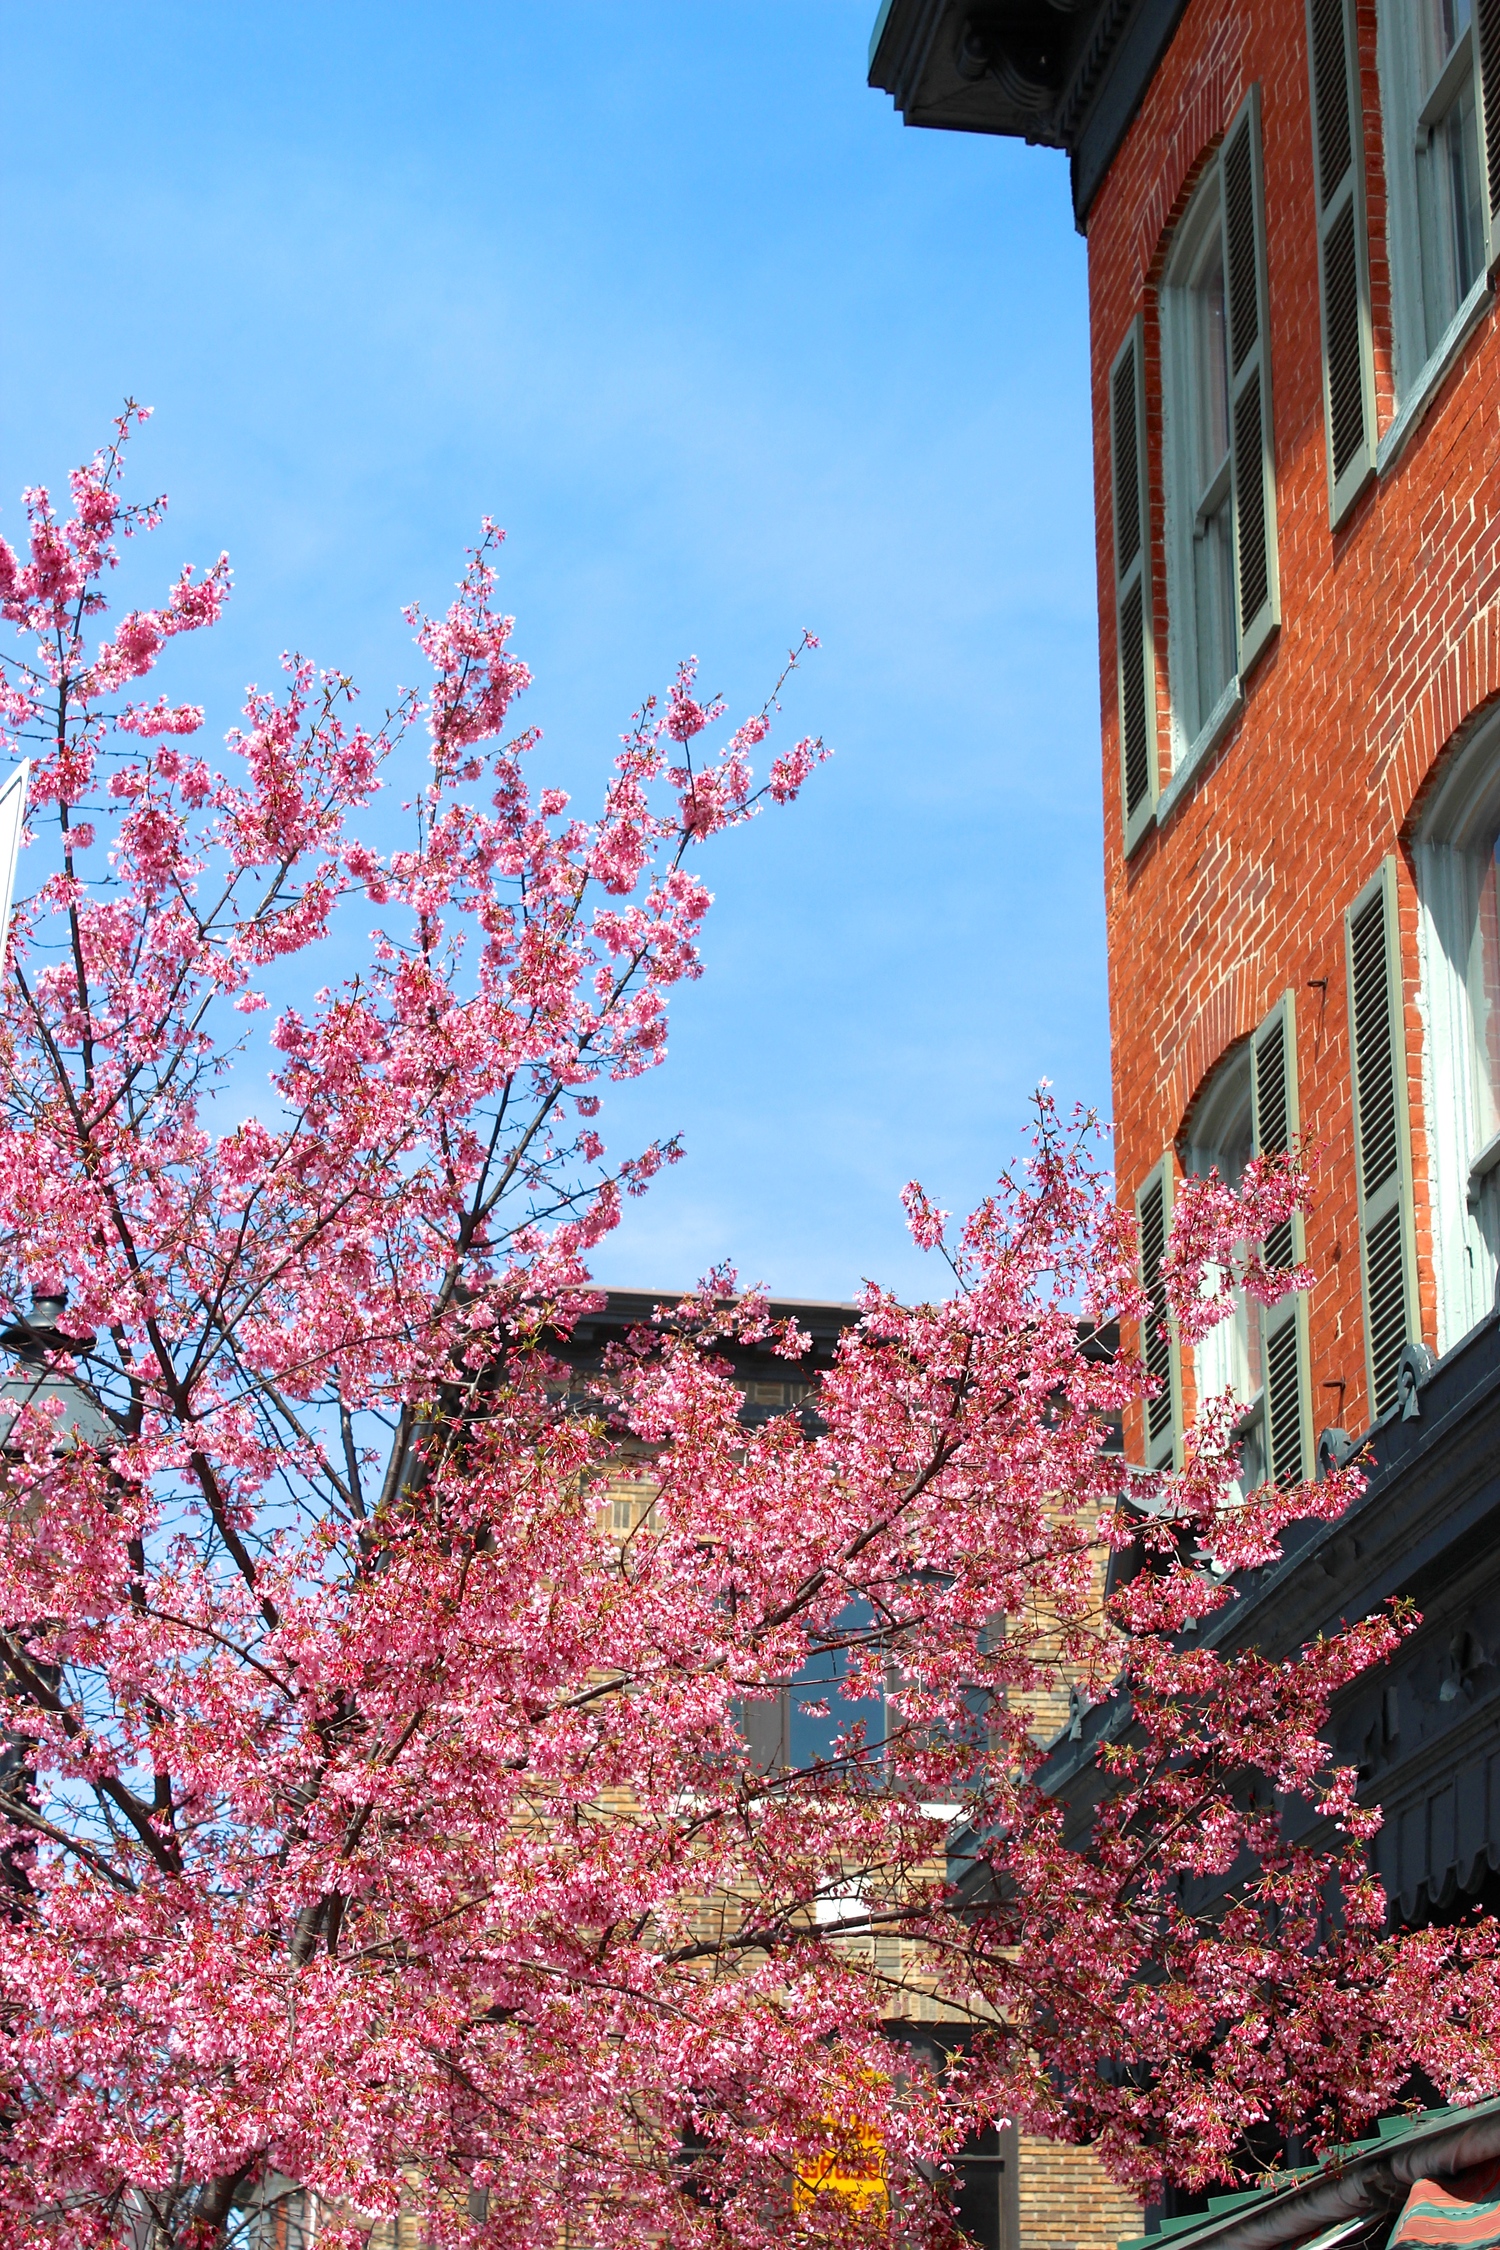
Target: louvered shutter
{"points": [[1381, 1137], [1284, 1338], [1487, 62], [1338, 146], [1252, 456], [1153, 1217], [1135, 660]]}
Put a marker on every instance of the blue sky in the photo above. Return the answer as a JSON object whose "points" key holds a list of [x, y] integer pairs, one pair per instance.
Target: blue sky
{"points": [[668, 291]]}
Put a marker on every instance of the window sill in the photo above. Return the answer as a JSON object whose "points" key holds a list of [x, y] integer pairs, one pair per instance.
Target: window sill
{"points": [[1218, 723], [1430, 381]]}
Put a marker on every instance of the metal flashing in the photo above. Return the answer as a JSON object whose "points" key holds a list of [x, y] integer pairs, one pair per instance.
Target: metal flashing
{"points": [[1366, 2179]]}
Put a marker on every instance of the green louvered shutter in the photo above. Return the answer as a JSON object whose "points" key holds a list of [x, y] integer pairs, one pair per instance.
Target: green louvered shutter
{"points": [[1135, 661], [1487, 63], [1284, 1336], [1343, 255], [1252, 452], [1153, 1218], [1382, 1138]]}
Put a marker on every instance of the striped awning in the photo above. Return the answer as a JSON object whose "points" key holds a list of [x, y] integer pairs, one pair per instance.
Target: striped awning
{"points": [[1460, 2213]]}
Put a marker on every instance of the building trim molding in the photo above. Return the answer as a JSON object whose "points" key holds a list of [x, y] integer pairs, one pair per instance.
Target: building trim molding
{"points": [[973, 66]]}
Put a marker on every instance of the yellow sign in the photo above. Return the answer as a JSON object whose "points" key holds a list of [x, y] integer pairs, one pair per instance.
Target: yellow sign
{"points": [[854, 2170]]}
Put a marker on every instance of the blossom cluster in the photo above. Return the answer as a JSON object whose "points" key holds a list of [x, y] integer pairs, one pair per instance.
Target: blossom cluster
{"points": [[379, 1823]]}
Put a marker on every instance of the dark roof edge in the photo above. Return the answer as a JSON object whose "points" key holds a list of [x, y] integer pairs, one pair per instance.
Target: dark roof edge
{"points": [[1128, 60], [880, 22], [628, 1290], [1114, 53], [1353, 2182]]}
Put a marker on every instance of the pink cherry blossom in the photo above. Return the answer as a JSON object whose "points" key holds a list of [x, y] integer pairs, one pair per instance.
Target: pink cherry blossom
{"points": [[381, 1822]]}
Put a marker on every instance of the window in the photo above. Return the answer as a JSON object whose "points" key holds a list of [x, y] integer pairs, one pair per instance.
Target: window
{"points": [[983, 2190], [1201, 406], [1432, 95], [1216, 416], [1459, 885], [274, 2215], [800, 1723], [821, 1709]]}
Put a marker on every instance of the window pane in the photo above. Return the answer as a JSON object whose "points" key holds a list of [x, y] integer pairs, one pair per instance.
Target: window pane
{"points": [[1200, 498], [820, 1684], [1229, 1356], [1432, 142], [1461, 129], [1446, 21], [1212, 368]]}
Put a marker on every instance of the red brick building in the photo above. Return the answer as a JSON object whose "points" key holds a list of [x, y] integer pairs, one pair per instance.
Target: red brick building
{"points": [[1295, 378], [1292, 210], [1320, 642]]}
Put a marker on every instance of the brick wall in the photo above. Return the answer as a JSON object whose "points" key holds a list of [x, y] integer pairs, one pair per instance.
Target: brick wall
{"points": [[1066, 2203], [1390, 641]]}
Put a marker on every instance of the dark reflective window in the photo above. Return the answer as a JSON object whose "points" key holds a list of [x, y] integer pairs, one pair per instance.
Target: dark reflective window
{"points": [[821, 1709]]}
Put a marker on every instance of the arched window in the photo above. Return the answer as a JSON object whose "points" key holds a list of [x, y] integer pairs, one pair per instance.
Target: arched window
{"points": [[1259, 1356], [1457, 880]]}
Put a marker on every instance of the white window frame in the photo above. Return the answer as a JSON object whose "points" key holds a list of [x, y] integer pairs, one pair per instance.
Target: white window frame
{"points": [[1420, 366], [1239, 1356]]}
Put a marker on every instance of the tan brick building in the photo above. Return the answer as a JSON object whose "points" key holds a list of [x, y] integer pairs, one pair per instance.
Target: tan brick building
{"points": [[1013, 2193]]}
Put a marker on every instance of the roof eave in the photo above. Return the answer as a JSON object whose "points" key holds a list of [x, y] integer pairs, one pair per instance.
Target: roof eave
{"points": [[1092, 84]]}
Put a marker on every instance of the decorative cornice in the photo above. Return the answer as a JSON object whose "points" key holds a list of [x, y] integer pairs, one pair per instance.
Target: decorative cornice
{"points": [[1065, 74], [1084, 83]]}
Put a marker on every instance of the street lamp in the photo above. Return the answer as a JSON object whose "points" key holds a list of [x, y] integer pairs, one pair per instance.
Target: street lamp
{"points": [[36, 1340]]}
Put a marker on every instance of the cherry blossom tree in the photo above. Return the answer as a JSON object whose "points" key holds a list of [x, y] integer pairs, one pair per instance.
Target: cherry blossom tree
{"points": [[378, 1823]]}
